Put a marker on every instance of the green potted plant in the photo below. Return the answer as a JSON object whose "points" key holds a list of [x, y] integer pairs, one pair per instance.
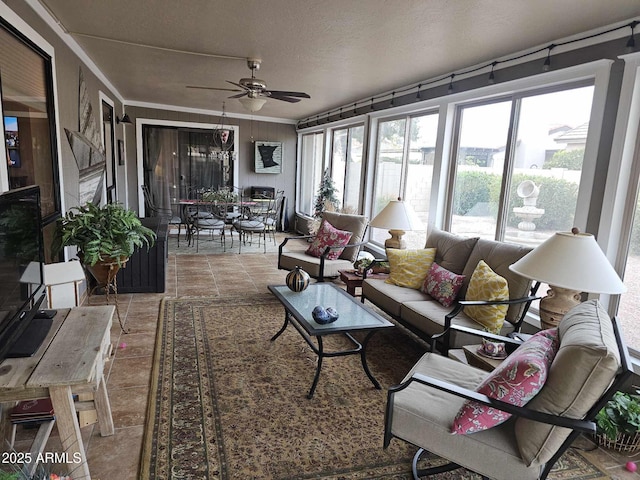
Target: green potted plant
{"points": [[105, 236], [618, 422]]}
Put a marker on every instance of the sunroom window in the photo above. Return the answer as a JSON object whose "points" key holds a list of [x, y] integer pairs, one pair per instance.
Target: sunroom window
{"points": [[518, 165], [405, 172]]}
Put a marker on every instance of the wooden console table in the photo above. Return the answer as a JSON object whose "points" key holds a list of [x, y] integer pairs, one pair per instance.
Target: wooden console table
{"points": [[70, 361]]}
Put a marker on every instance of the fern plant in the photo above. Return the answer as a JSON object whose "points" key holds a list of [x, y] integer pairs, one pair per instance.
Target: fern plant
{"points": [[107, 233]]}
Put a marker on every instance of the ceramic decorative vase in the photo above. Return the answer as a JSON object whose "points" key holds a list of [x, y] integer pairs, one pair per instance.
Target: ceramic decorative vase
{"points": [[297, 279]]}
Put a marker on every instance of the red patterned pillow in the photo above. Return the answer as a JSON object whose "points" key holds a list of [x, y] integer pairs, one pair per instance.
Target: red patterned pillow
{"points": [[517, 380], [329, 236], [442, 284]]}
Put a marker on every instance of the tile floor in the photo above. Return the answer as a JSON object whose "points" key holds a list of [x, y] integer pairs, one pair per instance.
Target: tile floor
{"points": [[118, 456]]}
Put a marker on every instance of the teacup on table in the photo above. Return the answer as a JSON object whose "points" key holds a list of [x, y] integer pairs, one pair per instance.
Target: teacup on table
{"points": [[493, 349]]}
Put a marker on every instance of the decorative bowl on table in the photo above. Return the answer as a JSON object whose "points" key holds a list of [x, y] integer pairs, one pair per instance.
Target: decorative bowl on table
{"points": [[323, 315]]}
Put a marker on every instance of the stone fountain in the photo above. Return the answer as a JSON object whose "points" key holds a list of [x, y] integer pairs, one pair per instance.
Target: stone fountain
{"points": [[528, 191]]}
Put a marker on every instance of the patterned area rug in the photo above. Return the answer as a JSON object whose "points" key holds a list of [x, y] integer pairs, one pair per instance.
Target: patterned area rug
{"points": [[227, 403]]}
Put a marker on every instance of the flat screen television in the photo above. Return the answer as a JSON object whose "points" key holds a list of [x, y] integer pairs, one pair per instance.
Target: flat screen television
{"points": [[22, 287]]}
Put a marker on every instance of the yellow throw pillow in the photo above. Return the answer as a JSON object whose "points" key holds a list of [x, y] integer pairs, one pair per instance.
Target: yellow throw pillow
{"points": [[409, 268], [485, 284]]}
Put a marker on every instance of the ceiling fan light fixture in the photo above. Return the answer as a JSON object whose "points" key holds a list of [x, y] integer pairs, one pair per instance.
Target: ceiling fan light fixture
{"points": [[252, 104]]}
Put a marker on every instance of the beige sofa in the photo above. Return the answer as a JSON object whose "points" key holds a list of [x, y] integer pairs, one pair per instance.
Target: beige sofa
{"points": [[426, 317]]}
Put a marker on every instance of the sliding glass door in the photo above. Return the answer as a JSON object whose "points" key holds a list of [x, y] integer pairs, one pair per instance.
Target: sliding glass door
{"points": [[180, 162]]}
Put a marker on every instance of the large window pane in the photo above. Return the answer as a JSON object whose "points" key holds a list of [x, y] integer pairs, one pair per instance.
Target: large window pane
{"points": [[417, 192], [311, 166], [482, 141], [339, 161], [549, 150], [180, 163], [630, 301], [346, 167], [388, 178], [544, 161]]}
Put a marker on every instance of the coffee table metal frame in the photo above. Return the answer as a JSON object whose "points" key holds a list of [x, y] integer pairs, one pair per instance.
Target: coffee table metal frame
{"points": [[354, 316]]}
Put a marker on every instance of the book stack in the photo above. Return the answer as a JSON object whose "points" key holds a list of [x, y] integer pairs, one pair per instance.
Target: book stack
{"points": [[32, 411]]}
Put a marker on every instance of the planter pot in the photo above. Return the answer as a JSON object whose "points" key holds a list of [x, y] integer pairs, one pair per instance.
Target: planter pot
{"points": [[622, 443], [104, 272]]}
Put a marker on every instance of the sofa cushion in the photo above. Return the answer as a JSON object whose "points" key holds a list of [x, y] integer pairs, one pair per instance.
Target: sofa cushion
{"points": [[408, 268], [311, 265], [390, 297], [499, 256], [485, 284], [428, 317], [356, 224], [516, 381], [442, 284], [328, 236], [452, 251], [585, 365]]}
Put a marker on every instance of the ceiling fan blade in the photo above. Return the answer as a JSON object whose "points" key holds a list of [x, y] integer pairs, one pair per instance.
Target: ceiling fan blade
{"points": [[238, 85], [289, 94], [239, 95], [214, 88], [276, 96]]}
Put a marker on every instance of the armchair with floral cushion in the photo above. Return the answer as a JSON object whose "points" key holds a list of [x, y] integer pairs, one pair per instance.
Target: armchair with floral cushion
{"points": [[334, 247], [518, 420]]}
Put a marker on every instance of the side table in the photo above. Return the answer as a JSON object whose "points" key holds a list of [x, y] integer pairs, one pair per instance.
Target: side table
{"points": [[476, 360], [353, 280]]}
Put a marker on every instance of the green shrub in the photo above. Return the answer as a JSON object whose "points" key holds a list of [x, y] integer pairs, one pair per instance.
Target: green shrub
{"points": [[569, 159], [473, 188]]}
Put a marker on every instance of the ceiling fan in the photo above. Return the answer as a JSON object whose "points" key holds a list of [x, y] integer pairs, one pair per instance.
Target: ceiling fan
{"points": [[254, 87]]}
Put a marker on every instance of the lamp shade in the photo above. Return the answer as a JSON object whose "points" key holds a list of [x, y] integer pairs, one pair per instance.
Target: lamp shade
{"points": [[397, 215], [252, 104], [573, 261]]}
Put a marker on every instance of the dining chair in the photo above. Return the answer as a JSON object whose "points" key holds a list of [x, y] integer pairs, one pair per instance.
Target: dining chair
{"points": [[205, 218], [252, 221]]}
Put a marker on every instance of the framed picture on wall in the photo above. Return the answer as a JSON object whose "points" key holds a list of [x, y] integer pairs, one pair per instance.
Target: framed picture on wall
{"points": [[268, 157], [120, 152]]}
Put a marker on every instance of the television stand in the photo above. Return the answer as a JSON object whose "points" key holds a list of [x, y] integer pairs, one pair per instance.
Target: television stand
{"points": [[28, 343]]}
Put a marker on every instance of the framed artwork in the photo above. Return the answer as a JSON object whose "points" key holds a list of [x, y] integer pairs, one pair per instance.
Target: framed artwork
{"points": [[268, 157], [120, 152]]}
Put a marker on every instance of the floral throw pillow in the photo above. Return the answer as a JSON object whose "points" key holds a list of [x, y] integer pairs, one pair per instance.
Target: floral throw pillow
{"points": [[442, 284], [516, 380], [329, 236]]}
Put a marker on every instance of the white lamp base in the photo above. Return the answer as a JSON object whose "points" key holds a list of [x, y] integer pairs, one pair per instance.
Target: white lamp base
{"points": [[556, 304], [396, 240]]}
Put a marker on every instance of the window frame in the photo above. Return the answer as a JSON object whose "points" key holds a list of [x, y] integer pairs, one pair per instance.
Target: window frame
{"points": [[349, 133], [510, 146]]}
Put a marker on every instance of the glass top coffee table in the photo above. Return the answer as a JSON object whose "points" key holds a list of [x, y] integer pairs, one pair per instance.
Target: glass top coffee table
{"points": [[353, 316]]}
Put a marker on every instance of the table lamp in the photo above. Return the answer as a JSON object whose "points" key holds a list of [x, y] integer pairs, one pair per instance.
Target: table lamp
{"points": [[397, 217], [570, 263]]}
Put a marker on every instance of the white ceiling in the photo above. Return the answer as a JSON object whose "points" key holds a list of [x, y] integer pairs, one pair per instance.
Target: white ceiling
{"points": [[337, 51]]}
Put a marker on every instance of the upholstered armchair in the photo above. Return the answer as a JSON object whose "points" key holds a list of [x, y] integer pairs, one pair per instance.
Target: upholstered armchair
{"points": [[334, 247], [516, 421]]}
